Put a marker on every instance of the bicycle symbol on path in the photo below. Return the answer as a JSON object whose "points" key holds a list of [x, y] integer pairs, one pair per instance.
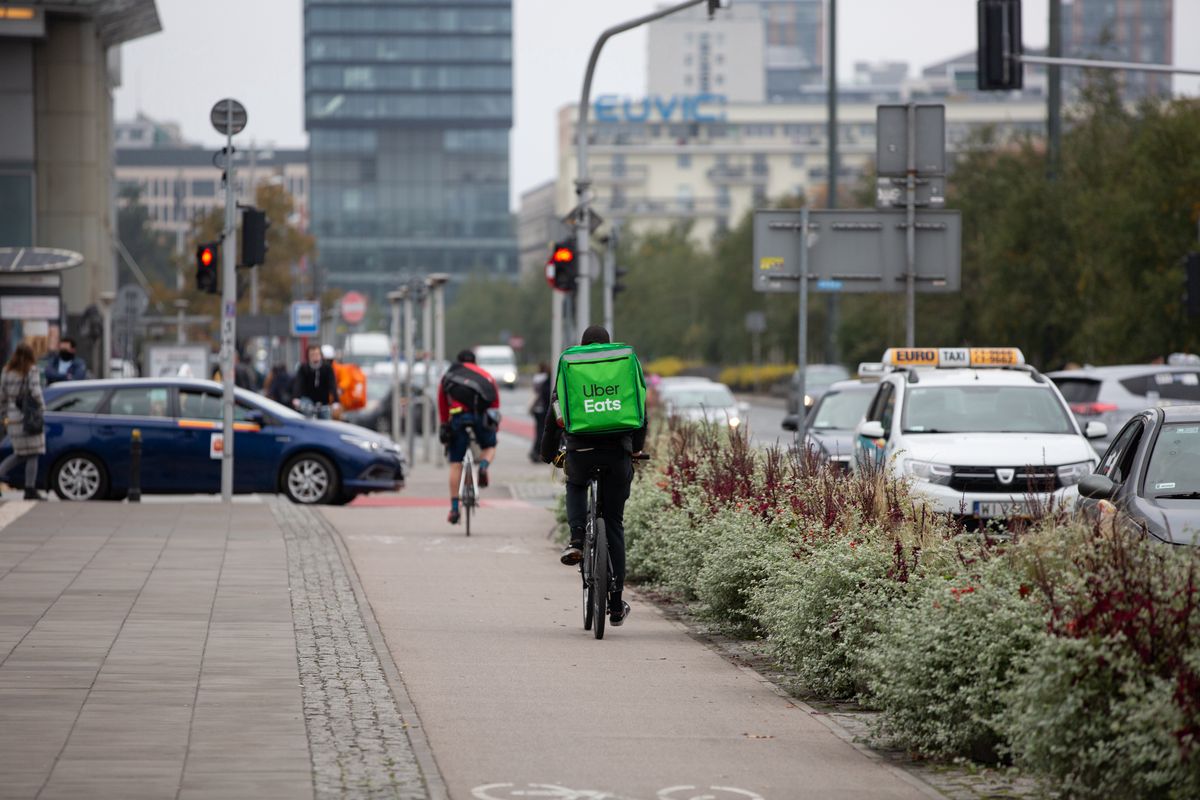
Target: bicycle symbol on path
{"points": [[550, 791]]}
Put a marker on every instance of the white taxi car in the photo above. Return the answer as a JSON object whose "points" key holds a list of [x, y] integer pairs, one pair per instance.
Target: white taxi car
{"points": [[980, 433]]}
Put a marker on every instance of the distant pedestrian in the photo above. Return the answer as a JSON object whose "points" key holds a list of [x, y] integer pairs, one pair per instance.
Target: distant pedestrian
{"points": [[538, 408], [67, 365], [244, 376], [24, 413], [278, 385]]}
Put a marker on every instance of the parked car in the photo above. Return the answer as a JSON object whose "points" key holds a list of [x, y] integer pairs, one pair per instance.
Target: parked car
{"points": [[828, 431], [817, 380], [1149, 478], [89, 427], [701, 400], [1114, 394]]}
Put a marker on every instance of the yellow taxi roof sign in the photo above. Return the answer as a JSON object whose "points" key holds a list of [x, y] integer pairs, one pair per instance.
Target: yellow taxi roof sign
{"points": [[950, 357]]}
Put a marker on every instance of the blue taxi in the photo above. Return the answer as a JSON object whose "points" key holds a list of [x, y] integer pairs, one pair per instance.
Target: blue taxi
{"points": [[90, 425]]}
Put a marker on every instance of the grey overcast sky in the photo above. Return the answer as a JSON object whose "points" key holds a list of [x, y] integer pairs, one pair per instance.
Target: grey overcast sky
{"points": [[177, 75]]}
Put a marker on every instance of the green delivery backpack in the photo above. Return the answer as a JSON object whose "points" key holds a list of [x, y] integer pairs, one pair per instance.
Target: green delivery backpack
{"points": [[601, 389]]}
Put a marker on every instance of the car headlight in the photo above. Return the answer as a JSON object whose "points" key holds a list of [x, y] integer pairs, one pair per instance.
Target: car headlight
{"points": [[370, 445], [510, 377], [1071, 474], [930, 472], [734, 422], [808, 400]]}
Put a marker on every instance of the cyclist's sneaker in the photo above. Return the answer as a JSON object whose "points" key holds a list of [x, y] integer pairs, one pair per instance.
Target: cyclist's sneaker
{"points": [[453, 516], [572, 554], [616, 620], [483, 476]]}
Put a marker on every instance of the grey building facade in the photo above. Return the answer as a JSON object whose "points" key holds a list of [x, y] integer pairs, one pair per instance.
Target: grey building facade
{"points": [[1121, 30], [408, 106]]}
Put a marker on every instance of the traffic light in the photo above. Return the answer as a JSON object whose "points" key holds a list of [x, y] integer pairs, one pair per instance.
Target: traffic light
{"points": [[618, 273], [206, 266], [1191, 266], [561, 269], [254, 237], [998, 59]]}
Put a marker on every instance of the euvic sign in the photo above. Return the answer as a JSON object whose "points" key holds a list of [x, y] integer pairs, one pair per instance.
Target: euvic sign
{"points": [[657, 108]]}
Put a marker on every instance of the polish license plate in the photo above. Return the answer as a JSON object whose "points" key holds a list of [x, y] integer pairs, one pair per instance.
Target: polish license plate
{"points": [[987, 509]]}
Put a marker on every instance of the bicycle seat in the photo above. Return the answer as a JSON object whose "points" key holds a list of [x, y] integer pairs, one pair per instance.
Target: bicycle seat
{"points": [[599, 470]]}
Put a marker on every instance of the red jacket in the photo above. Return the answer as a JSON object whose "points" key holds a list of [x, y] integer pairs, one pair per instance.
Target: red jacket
{"points": [[448, 405]]}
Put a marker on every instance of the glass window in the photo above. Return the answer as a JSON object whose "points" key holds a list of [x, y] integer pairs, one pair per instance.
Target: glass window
{"points": [[683, 160], [1174, 467], [716, 396], [143, 401], [77, 402], [1078, 390], [194, 404], [16, 209], [984, 409], [204, 188], [840, 411]]}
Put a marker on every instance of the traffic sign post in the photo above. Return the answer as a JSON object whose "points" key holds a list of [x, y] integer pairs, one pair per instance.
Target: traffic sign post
{"points": [[228, 116], [354, 308], [305, 318]]}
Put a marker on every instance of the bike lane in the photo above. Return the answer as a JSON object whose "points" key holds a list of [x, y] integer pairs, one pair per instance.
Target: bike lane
{"points": [[517, 700]]}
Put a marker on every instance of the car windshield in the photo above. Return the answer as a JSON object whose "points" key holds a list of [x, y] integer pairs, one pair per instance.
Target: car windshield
{"points": [[983, 409], [818, 376], [378, 387], [1174, 469], [841, 411], [495, 361], [700, 397]]}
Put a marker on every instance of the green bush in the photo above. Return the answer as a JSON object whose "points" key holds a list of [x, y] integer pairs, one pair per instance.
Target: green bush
{"points": [[940, 664], [744, 552]]}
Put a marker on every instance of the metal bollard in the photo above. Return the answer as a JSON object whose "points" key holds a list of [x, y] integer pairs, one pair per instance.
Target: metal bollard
{"points": [[135, 467]]}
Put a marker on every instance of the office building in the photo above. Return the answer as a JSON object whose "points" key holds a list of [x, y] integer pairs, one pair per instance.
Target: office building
{"points": [[408, 108], [538, 225], [1125, 30], [709, 163]]}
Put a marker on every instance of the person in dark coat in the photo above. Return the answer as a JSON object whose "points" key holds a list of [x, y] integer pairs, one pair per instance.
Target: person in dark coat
{"points": [[20, 378], [66, 365], [538, 408]]}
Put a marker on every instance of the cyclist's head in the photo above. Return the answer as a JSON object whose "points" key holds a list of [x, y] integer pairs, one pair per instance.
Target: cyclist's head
{"points": [[314, 355], [465, 357], [595, 334]]}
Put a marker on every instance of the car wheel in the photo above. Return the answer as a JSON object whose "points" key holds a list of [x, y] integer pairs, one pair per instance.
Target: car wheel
{"points": [[79, 477], [309, 479]]}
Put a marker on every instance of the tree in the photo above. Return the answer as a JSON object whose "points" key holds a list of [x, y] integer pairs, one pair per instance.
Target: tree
{"points": [[151, 250]]}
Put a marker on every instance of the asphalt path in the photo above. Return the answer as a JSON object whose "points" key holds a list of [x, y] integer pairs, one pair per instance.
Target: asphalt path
{"points": [[517, 700]]}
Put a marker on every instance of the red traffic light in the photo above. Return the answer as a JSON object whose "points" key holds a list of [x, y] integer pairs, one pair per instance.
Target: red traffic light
{"points": [[563, 254], [206, 256]]}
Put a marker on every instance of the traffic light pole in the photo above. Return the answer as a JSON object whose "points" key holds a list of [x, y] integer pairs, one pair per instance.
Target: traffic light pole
{"points": [[583, 183], [228, 314]]}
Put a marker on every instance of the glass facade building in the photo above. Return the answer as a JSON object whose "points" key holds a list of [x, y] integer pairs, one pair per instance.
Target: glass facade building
{"points": [[1121, 30], [408, 105]]}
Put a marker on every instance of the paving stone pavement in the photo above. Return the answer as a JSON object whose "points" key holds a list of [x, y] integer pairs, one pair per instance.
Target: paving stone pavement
{"points": [[190, 651]]}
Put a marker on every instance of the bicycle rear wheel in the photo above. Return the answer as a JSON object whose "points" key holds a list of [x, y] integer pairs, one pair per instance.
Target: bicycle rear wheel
{"points": [[468, 499], [599, 580]]}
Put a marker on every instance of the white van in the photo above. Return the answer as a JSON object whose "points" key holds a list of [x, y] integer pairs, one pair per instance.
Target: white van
{"points": [[367, 349], [500, 361]]}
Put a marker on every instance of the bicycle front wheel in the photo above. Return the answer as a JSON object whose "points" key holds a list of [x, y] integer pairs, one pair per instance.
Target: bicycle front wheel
{"points": [[599, 579]]}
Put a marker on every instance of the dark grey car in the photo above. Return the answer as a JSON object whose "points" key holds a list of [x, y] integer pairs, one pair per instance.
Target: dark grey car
{"points": [[829, 428], [817, 380], [1114, 394], [1150, 476]]}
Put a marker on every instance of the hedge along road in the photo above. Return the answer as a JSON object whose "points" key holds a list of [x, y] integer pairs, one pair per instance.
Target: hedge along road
{"points": [[516, 700]]}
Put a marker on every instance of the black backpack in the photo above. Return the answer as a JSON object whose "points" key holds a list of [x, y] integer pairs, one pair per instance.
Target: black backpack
{"points": [[468, 387]]}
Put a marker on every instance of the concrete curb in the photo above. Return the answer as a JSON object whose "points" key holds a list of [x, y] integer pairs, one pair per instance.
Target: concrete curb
{"points": [[435, 784]]}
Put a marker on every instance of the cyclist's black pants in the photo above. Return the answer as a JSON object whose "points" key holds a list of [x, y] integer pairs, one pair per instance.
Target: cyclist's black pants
{"points": [[614, 491]]}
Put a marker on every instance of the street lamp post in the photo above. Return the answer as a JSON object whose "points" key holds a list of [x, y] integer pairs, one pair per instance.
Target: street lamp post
{"points": [[426, 347], [395, 299], [437, 284], [106, 304], [181, 305], [583, 183]]}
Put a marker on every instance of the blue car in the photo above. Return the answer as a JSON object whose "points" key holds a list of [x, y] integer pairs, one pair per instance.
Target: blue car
{"points": [[90, 424]]}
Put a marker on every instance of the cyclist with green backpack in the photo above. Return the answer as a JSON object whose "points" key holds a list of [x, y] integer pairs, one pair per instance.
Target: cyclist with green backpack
{"points": [[599, 422]]}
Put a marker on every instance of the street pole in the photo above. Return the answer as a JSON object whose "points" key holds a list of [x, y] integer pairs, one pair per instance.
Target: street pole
{"points": [[228, 312], [410, 408], [180, 307], [106, 305], [1054, 92], [802, 351], [439, 279], [832, 301], [556, 324], [610, 275], [910, 230], [426, 346], [583, 183], [395, 298], [254, 290]]}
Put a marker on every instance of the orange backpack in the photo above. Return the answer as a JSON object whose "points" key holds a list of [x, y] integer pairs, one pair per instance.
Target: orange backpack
{"points": [[352, 386]]}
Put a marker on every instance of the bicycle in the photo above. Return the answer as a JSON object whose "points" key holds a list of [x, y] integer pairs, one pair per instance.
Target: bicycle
{"points": [[468, 482], [596, 567]]}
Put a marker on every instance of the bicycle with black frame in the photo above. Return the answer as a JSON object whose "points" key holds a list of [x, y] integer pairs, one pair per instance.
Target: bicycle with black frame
{"points": [[596, 568], [468, 482]]}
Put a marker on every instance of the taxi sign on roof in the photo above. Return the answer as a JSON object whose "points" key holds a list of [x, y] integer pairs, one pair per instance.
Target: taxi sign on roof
{"points": [[949, 357]]}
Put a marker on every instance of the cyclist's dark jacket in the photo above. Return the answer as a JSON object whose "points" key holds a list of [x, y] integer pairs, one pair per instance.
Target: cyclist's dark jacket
{"points": [[553, 435], [318, 385]]}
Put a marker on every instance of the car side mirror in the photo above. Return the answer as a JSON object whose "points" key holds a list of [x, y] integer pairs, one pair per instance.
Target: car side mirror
{"points": [[257, 416], [1095, 430], [1097, 487], [872, 429], [791, 422]]}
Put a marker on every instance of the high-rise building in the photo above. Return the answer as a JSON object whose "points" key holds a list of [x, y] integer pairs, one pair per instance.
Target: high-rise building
{"points": [[795, 47], [1121, 30], [408, 106]]}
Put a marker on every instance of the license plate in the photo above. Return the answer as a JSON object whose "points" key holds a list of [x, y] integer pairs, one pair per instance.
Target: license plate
{"points": [[987, 509]]}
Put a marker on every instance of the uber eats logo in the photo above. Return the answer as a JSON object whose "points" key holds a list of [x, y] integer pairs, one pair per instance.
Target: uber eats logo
{"points": [[600, 398]]}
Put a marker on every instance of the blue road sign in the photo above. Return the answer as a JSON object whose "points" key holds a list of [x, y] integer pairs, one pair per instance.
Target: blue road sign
{"points": [[829, 286], [306, 318]]}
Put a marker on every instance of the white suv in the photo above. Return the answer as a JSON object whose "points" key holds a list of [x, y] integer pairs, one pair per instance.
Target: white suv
{"points": [[978, 432]]}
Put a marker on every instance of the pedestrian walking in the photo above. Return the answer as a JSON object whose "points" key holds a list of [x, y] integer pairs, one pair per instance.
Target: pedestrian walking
{"points": [[67, 365], [278, 385], [24, 416], [538, 406]]}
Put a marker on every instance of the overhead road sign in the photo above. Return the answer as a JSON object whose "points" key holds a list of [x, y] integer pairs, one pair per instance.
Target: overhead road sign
{"points": [[891, 142]]}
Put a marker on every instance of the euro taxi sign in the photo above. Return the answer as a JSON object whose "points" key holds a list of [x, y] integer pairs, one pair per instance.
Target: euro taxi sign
{"points": [[953, 357]]}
